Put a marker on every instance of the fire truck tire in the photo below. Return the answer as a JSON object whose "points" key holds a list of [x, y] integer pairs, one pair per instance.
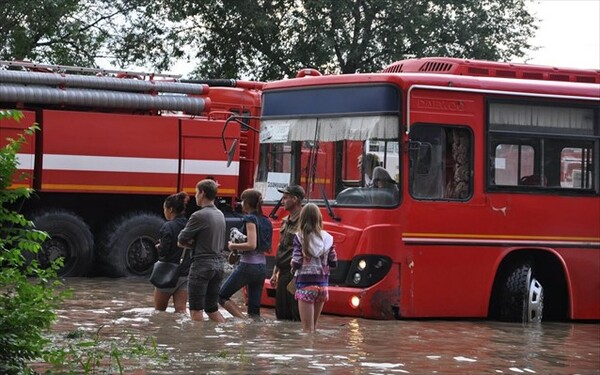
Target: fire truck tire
{"points": [[128, 246], [522, 297], [70, 238]]}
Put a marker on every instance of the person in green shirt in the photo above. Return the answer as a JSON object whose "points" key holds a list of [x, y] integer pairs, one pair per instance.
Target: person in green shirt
{"points": [[286, 306]]}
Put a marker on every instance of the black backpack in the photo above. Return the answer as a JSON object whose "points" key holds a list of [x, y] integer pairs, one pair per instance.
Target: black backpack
{"points": [[265, 233]]}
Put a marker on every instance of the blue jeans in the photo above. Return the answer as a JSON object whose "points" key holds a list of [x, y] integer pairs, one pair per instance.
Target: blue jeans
{"points": [[245, 274]]}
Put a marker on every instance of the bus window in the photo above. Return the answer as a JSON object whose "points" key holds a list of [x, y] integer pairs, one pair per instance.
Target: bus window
{"points": [[513, 164], [541, 147], [440, 163]]}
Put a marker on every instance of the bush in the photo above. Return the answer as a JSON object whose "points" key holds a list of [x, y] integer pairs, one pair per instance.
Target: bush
{"points": [[28, 293]]}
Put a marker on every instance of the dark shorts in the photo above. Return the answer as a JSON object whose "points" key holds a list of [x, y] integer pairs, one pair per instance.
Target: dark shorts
{"points": [[182, 284], [204, 282]]}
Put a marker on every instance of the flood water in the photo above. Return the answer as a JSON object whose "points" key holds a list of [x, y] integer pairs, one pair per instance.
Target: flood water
{"points": [[123, 307]]}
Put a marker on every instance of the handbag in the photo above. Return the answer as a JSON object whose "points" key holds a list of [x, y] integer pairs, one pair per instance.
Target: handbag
{"points": [[291, 286], [166, 274], [233, 258]]}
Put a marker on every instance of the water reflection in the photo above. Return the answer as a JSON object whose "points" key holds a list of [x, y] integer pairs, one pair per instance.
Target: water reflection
{"points": [[342, 345]]}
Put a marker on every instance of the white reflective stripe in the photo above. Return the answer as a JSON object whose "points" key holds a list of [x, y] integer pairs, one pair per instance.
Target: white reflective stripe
{"points": [[136, 165], [25, 161], [210, 167]]}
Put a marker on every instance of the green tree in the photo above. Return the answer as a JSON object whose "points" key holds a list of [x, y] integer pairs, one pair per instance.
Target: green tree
{"points": [[79, 32], [29, 295], [271, 39], [263, 39]]}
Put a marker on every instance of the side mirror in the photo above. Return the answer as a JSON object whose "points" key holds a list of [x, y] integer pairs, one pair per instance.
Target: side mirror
{"points": [[231, 152]]}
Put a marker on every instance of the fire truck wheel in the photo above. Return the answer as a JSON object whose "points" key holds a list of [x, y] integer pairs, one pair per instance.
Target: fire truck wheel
{"points": [[70, 238], [522, 297], [128, 246]]}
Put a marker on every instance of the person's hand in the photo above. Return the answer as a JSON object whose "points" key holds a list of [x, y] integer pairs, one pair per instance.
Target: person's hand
{"points": [[274, 279], [230, 246]]}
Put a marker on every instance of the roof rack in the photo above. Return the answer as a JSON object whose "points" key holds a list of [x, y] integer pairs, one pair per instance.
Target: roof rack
{"points": [[67, 68]]}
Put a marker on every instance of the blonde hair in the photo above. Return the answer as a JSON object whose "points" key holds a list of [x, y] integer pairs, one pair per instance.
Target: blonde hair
{"points": [[311, 223]]}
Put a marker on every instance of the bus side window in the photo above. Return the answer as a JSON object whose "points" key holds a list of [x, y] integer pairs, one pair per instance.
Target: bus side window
{"points": [[440, 163]]}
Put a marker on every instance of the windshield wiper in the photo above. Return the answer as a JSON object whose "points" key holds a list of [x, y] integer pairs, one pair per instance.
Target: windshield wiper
{"points": [[329, 209]]}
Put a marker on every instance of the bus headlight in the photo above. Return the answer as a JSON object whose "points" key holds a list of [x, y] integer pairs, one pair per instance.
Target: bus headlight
{"points": [[366, 270], [362, 264], [355, 301]]}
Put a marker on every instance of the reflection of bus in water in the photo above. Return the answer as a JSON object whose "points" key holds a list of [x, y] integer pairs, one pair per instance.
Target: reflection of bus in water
{"points": [[488, 217]]}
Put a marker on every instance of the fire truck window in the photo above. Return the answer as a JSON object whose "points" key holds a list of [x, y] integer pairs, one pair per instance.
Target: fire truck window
{"points": [[440, 163]]}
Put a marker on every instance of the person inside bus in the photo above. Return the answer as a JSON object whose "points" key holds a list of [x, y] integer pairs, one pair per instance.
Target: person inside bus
{"points": [[366, 164], [385, 190]]}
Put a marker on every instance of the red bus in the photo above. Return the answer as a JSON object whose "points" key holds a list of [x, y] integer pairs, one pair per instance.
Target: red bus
{"points": [[495, 210]]}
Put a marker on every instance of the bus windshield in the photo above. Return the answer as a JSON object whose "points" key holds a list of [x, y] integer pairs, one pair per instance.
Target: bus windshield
{"points": [[352, 160]]}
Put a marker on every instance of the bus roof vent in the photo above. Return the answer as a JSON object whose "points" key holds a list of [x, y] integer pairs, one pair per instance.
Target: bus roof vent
{"points": [[435, 66], [478, 71], [482, 68], [533, 75], [394, 68], [506, 73], [586, 79], [558, 77]]}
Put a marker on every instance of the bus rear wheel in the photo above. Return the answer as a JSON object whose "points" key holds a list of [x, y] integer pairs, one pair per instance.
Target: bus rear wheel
{"points": [[128, 245], [522, 298], [70, 239]]}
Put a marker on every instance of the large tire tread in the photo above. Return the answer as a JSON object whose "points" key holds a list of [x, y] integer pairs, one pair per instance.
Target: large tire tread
{"points": [[70, 237]]}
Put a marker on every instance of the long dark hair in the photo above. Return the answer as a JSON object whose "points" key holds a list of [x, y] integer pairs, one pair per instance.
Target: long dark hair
{"points": [[254, 200], [177, 202]]}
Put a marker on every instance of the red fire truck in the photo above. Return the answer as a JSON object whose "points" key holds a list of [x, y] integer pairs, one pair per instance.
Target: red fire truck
{"points": [[495, 209], [111, 146]]}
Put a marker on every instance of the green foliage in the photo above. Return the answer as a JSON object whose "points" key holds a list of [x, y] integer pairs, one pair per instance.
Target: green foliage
{"points": [[262, 39], [89, 352], [28, 294]]}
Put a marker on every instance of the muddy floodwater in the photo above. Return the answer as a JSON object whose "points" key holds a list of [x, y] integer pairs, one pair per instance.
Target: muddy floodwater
{"points": [[123, 307]]}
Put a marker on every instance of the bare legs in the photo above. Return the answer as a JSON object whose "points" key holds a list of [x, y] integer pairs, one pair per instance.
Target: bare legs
{"points": [[233, 309], [161, 300], [198, 316], [309, 314], [180, 301]]}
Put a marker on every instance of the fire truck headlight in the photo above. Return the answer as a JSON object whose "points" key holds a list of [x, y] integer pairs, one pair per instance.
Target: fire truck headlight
{"points": [[366, 270], [355, 302]]}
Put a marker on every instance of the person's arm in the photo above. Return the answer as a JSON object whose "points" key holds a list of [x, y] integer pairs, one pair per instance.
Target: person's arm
{"points": [[188, 234], [297, 257], [332, 258], [251, 236], [166, 241]]}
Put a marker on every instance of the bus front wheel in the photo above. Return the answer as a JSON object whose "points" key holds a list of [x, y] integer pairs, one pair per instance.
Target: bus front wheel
{"points": [[522, 297]]}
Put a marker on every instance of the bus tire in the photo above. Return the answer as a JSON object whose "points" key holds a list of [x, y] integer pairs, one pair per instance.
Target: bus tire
{"points": [[128, 245], [522, 297], [70, 238]]}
